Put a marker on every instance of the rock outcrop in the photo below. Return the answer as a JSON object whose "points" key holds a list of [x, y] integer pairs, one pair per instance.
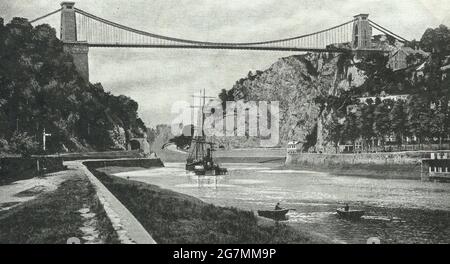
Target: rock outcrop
{"points": [[295, 82]]}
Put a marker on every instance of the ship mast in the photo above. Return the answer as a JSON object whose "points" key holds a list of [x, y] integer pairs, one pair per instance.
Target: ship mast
{"points": [[200, 159], [199, 141]]}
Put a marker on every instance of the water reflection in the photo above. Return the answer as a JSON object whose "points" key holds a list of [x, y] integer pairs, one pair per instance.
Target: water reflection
{"points": [[397, 211]]}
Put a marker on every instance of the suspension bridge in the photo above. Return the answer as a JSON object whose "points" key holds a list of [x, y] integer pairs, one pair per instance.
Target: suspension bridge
{"points": [[81, 30]]}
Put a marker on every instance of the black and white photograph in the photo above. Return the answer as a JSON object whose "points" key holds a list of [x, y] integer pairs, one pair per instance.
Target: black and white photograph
{"points": [[225, 122]]}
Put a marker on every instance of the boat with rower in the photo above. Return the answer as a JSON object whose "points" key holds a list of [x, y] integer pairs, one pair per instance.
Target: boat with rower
{"points": [[350, 214], [274, 214]]}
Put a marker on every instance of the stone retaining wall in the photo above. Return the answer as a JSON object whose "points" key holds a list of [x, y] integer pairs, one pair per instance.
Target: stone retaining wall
{"points": [[127, 227], [384, 158], [143, 163]]}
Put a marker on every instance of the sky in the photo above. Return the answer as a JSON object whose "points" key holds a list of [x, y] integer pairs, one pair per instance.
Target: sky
{"points": [[156, 78]]}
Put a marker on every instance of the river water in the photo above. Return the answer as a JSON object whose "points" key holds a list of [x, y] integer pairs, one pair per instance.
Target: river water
{"points": [[397, 211]]}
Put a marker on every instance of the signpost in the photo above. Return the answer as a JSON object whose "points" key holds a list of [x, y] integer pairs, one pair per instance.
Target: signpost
{"points": [[44, 136]]}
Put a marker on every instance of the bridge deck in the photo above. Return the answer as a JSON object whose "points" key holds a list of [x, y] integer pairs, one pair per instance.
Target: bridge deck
{"points": [[165, 46]]}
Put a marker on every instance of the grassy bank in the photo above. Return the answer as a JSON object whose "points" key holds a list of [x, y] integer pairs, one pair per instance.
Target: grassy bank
{"points": [[391, 171], [172, 217], [53, 217]]}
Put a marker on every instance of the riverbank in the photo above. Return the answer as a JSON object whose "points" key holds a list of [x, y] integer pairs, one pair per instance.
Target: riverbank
{"points": [[256, 155], [373, 165], [392, 171], [172, 217], [69, 210], [391, 165]]}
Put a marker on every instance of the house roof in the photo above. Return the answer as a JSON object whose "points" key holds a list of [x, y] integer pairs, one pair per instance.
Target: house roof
{"points": [[409, 51], [421, 67]]}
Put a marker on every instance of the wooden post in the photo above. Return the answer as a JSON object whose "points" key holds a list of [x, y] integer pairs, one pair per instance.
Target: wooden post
{"points": [[44, 136]]}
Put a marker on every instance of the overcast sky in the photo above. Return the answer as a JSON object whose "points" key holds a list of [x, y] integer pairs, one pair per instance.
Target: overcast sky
{"points": [[156, 78]]}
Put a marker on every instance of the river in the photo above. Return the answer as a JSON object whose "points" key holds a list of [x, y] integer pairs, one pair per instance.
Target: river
{"points": [[397, 211]]}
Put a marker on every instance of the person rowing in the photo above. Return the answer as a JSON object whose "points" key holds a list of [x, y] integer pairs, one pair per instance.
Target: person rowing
{"points": [[278, 207]]}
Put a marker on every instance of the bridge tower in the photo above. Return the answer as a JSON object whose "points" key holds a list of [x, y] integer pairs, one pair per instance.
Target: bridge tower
{"points": [[362, 32], [78, 49]]}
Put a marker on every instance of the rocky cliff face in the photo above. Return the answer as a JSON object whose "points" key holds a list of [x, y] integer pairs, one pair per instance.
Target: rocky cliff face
{"points": [[295, 82]]}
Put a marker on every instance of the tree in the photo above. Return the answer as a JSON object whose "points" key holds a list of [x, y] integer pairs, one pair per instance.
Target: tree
{"points": [[365, 121], [310, 139], [335, 130], [23, 144], [184, 140], [418, 116], [397, 119], [378, 75], [351, 130], [226, 96], [41, 88], [381, 124], [436, 40], [437, 117]]}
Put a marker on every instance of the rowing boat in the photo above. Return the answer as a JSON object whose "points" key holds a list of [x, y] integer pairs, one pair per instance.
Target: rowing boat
{"points": [[350, 214], [274, 214]]}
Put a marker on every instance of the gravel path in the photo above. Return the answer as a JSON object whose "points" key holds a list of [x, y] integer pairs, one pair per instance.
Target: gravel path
{"points": [[18, 192]]}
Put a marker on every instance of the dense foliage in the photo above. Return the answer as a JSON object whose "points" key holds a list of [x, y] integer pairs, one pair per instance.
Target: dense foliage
{"points": [[184, 140], [41, 89], [424, 114]]}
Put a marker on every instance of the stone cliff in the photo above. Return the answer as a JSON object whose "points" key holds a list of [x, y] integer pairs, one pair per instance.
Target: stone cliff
{"points": [[295, 82]]}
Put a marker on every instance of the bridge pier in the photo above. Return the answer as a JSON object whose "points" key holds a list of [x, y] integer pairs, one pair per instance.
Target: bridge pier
{"points": [[78, 49], [362, 32], [362, 35]]}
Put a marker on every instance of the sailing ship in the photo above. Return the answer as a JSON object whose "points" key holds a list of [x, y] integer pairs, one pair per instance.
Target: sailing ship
{"points": [[200, 159]]}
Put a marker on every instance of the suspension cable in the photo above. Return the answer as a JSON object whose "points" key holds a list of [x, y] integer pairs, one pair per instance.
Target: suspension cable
{"points": [[44, 16], [386, 31], [143, 33]]}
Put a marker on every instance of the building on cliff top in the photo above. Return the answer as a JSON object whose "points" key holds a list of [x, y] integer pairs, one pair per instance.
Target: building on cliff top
{"points": [[405, 57]]}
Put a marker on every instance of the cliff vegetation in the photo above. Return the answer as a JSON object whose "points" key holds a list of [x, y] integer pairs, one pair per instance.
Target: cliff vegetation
{"points": [[41, 89]]}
